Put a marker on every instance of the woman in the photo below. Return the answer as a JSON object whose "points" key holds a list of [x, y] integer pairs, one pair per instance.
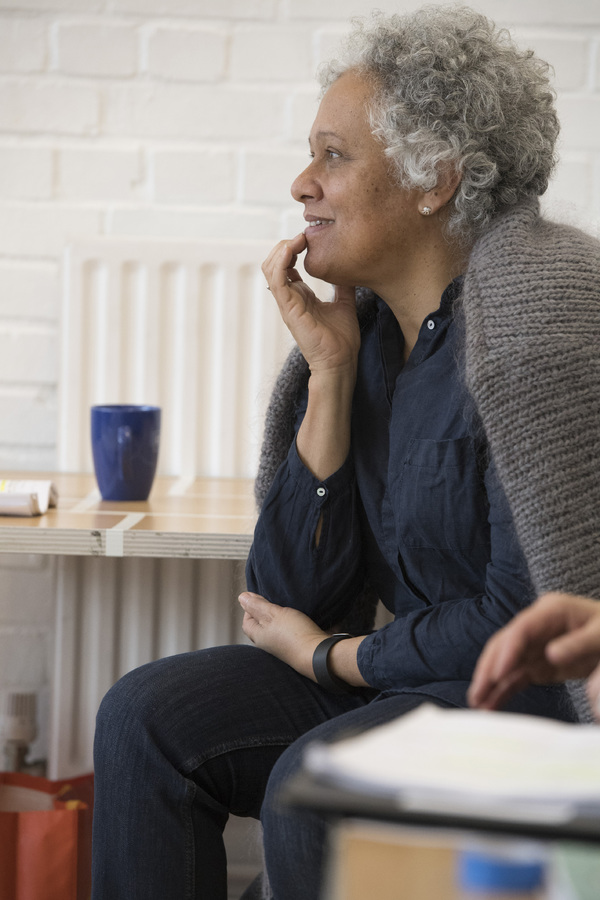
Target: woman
{"points": [[433, 129]]}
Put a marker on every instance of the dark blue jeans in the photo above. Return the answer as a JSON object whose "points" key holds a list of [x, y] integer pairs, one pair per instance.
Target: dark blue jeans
{"points": [[183, 742]]}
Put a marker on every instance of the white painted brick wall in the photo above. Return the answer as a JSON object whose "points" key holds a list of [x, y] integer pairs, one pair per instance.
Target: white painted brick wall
{"points": [[185, 119], [159, 111], [42, 106], [28, 290], [98, 174], [40, 231], [271, 54], [27, 427], [23, 45], [33, 342], [195, 177], [266, 177], [187, 54], [209, 9], [97, 49], [26, 173], [570, 56]]}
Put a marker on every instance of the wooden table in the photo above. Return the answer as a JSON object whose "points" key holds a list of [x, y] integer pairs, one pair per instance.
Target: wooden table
{"points": [[107, 622], [195, 518]]}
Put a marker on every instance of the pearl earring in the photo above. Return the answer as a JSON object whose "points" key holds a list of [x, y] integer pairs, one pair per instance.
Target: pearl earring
{"points": [[426, 211]]}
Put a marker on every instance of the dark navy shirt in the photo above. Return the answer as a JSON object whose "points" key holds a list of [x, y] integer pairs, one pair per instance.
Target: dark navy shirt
{"points": [[416, 509]]}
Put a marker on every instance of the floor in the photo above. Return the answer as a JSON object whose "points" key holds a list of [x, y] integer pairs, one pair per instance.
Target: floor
{"points": [[243, 842]]}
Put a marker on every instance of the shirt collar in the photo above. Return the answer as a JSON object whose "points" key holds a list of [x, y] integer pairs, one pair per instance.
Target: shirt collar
{"points": [[447, 302]]}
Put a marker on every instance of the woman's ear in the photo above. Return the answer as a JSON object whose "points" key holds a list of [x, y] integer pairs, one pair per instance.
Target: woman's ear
{"points": [[449, 178]]}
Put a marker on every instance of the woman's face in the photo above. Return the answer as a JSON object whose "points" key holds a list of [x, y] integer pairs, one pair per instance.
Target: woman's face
{"points": [[362, 227]]}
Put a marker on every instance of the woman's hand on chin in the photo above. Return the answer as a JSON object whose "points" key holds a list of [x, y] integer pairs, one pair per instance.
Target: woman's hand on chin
{"points": [[326, 332], [284, 632]]}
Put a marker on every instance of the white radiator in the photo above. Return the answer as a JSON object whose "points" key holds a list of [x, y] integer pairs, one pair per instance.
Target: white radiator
{"points": [[193, 329], [188, 327]]}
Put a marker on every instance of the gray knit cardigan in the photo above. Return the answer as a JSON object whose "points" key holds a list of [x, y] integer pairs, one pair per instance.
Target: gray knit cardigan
{"points": [[532, 314], [531, 304]]}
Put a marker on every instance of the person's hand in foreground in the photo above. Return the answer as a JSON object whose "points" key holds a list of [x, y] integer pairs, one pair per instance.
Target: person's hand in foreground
{"points": [[556, 638]]}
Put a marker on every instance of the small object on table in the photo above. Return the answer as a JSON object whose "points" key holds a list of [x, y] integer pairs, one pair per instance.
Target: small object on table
{"points": [[26, 498], [125, 442]]}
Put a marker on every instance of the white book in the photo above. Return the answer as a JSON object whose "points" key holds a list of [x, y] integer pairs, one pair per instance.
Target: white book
{"points": [[471, 762], [26, 498]]}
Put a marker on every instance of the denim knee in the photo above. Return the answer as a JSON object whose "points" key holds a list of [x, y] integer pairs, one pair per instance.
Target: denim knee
{"points": [[131, 709], [182, 706], [121, 704]]}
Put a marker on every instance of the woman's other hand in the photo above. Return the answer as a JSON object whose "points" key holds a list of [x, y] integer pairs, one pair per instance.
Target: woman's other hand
{"points": [[555, 639], [326, 332], [293, 638], [282, 631]]}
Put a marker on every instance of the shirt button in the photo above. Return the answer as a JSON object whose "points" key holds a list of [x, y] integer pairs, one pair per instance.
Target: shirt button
{"points": [[431, 324], [321, 492]]}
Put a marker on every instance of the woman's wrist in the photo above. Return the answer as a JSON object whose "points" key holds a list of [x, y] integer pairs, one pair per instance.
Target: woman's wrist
{"points": [[323, 440], [342, 661]]}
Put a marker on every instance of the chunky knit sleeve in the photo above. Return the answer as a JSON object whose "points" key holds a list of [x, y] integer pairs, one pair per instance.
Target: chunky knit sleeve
{"points": [[279, 421], [532, 311]]}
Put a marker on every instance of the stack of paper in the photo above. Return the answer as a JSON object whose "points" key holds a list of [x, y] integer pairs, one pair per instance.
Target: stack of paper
{"points": [[471, 763], [26, 498]]}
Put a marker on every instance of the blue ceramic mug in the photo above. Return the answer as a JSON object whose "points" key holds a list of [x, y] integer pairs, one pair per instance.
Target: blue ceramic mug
{"points": [[125, 443]]}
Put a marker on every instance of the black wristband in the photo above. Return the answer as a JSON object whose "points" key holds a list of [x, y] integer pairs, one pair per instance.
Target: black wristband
{"points": [[325, 678]]}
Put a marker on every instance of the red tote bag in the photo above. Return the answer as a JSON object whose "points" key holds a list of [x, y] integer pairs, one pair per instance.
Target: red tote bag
{"points": [[45, 837]]}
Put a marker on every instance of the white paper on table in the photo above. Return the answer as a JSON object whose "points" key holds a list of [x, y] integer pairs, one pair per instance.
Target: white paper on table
{"points": [[472, 762], [26, 498]]}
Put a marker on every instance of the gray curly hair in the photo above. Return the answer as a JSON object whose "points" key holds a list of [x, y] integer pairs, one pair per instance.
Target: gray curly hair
{"points": [[453, 90]]}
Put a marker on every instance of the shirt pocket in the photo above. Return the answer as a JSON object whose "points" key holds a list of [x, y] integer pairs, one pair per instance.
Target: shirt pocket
{"points": [[440, 500]]}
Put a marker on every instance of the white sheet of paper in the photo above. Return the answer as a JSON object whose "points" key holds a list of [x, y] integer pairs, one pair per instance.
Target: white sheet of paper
{"points": [[472, 761]]}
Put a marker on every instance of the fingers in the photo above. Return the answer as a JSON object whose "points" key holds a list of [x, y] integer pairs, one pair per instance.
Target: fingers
{"points": [[257, 614], [256, 606], [499, 693], [482, 682], [278, 268], [515, 656], [499, 659], [556, 638], [579, 648], [569, 648]]}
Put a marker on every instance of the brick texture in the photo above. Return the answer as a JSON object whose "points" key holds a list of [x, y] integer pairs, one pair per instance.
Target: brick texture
{"points": [[267, 176], [194, 176], [28, 290], [36, 344], [94, 173], [187, 54], [44, 107], [180, 111], [274, 54], [102, 50], [23, 45], [26, 172]]}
